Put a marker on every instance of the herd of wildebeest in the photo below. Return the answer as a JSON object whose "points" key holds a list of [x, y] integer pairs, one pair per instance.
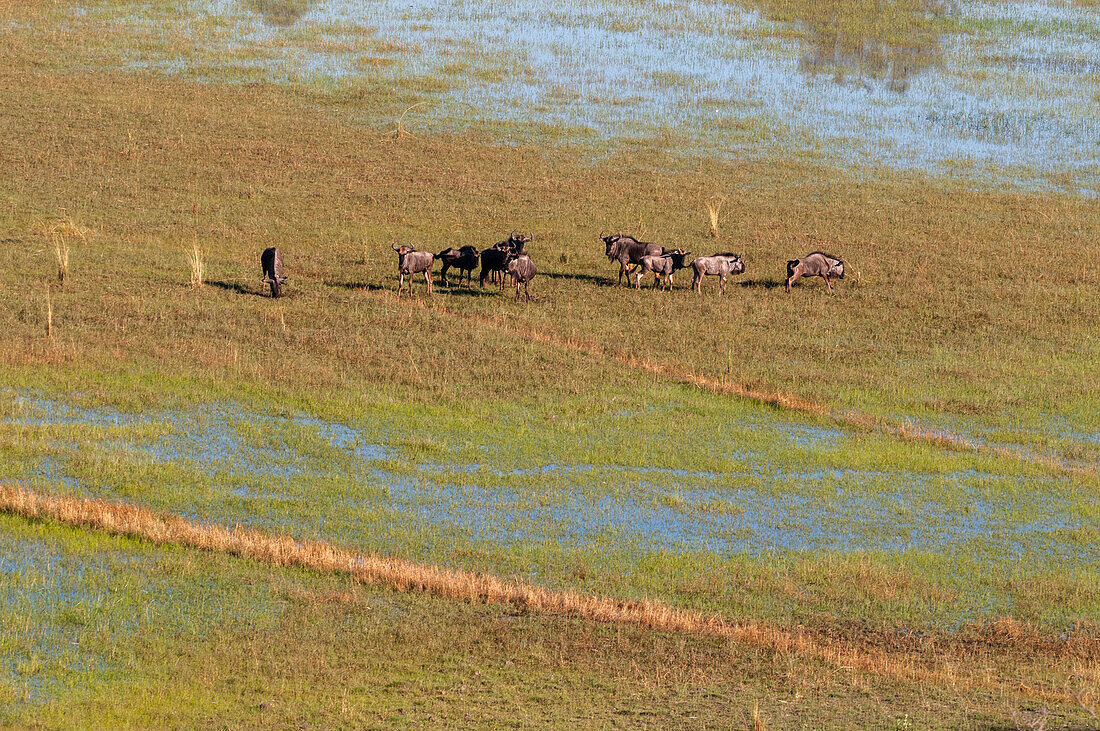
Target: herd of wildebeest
{"points": [[509, 259]]}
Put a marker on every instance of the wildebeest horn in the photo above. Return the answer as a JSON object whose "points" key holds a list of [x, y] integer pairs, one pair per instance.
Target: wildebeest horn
{"points": [[394, 246], [512, 235]]}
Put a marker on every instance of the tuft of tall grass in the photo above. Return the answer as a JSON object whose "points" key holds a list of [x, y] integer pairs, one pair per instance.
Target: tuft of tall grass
{"points": [[61, 253], [60, 233], [198, 268], [757, 719], [714, 210], [49, 313]]}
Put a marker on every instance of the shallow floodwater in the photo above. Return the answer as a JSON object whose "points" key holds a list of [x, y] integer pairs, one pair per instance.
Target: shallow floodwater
{"points": [[1009, 95], [783, 487]]}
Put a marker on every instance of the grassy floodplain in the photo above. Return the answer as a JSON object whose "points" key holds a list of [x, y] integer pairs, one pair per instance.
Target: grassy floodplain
{"points": [[589, 441]]}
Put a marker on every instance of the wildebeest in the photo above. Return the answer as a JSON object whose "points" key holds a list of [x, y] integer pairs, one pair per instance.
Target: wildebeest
{"points": [[663, 266], [817, 264], [464, 260], [522, 270], [494, 260], [628, 251], [271, 264], [718, 265], [409, 262]]}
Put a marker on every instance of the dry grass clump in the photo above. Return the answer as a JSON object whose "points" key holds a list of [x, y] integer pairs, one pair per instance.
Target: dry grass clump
{"points": [[714, 209], [60, 233], [49, 313], [195, 260]]}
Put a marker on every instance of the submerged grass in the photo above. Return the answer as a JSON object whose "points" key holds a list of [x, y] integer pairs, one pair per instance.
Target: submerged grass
{"points": [[606, 485], [199, 638]]}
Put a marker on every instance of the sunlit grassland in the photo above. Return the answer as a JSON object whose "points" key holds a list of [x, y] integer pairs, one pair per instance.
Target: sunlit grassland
{"points": [[435, 429], [966, 310]]}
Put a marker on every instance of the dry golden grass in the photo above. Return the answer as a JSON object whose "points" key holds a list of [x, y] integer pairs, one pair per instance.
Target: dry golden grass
{"points": [[60, 233], [888, 657], [714, 210], [61, 253], [195, 260], [49, 313]]}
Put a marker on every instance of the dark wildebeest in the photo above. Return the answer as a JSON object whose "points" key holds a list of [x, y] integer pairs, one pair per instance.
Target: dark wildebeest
{"points": [[663, 266], [494, 260], [409, 262], [719, 265], [816, 264], [628, 251], [522, 270], [464, 260], [271, 263]]}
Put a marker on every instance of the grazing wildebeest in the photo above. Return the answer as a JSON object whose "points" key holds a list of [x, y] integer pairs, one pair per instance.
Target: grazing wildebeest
{"points": [[409, 262], [495, 258], [719, 265], [628, 251], [464, 260], [271, 263], [663, 266], [522, 270], [816, 264]]}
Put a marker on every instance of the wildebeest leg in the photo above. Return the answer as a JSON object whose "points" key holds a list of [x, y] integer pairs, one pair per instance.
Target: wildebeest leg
{"points": [[400, 283], [792, 279], [697, 283], [443, 276], [428, 279], [827, 282], [722, 284], [526, 291]]}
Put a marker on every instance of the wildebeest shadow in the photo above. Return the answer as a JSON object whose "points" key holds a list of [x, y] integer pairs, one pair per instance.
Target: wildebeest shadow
{"points": [[762, 283], [367, 286], [234, 287], [455, 291], [591, 278]]}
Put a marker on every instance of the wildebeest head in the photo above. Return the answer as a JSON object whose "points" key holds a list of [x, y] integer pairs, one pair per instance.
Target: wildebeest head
{"points": [[677, 256], [401, 252], [736, 263], [608, 242], [519, 241], [836, 269]]}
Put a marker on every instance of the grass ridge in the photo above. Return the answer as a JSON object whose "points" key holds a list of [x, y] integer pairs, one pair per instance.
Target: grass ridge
{"points": [[784, 400]]}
